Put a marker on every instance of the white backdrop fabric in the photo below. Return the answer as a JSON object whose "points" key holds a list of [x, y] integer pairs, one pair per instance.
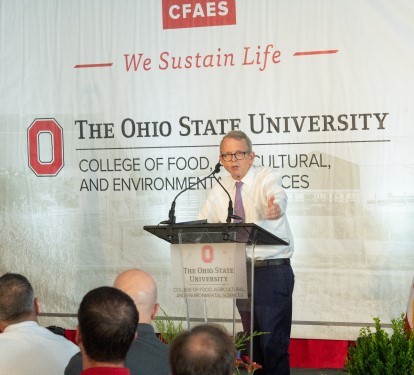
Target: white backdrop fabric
{"points": [[323, 88]]}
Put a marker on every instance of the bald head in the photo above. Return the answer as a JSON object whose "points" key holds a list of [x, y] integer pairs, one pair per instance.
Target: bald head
{"points": [[205, 349], [141, 287]]}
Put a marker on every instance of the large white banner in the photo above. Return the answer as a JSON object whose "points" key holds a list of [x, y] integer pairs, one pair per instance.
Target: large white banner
{"points": [[108, 109]]}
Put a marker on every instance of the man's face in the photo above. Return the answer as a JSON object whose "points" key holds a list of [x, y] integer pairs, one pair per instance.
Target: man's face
{"points": [[237, 168]]}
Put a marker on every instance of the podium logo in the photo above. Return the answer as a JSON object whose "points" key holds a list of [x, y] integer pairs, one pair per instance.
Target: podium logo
{"points": [[207, 254], [178, 14], [45, 147]]}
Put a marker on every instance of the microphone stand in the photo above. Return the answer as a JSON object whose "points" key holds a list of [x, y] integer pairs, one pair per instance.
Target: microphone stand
{"points": [[171, 213], [230, 215], [230, 207]]}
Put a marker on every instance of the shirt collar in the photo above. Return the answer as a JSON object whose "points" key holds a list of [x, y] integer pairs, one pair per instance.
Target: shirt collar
{"points": [[248, 178], [15, 326]]}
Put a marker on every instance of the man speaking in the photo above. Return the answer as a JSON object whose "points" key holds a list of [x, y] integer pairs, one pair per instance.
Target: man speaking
{"points": [[259, 198]]}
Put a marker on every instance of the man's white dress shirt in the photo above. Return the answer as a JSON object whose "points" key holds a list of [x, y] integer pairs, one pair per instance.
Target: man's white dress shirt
{"points": [[259, 184], [26, 348]]}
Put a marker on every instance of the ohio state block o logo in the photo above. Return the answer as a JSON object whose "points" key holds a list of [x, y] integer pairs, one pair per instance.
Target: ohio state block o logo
{"points": [[39, 126], [207, 254]]}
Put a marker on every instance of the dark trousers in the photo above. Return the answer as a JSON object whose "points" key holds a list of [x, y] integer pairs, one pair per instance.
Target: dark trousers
{"points": [[273, 288]]}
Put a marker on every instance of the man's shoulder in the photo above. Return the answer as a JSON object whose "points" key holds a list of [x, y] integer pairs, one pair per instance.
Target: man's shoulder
{"points": [[262, 172], [263, 169], [148, 342], [148, 356], [33, 332], [57, 338], [74, 367]]}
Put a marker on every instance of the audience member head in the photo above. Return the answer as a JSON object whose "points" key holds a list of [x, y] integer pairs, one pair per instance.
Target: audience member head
{"points": [[108, 321], [206, 349], [142, 288], [17, 300]]}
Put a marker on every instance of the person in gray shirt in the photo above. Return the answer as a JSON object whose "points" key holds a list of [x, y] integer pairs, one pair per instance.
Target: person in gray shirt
{"points": [[148, 355]]}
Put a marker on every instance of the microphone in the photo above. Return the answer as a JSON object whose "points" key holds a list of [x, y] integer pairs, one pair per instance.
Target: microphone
{"points": [[230, 208], [171, 213]]}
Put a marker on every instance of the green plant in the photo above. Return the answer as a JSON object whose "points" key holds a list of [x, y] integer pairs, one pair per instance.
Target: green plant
{"points": [[167, 328], [378, 353], [242, 338], [243, 363]]}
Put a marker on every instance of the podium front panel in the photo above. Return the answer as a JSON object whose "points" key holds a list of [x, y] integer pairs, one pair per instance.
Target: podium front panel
{"points": [[209, 270]]}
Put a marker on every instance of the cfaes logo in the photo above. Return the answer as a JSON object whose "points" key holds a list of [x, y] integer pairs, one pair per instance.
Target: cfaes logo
{"points": [[46, 134], [177, 14]]}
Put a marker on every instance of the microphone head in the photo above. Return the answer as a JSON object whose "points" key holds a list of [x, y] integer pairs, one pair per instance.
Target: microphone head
{"points": [[235, 217], [217, 168]]}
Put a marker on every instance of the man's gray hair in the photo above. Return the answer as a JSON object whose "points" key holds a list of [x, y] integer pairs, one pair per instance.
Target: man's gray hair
{"points": [[16, 297], [238, 135]]}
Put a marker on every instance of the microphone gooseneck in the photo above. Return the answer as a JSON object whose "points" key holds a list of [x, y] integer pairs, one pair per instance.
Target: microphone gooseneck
{"points": [[171, 213]]}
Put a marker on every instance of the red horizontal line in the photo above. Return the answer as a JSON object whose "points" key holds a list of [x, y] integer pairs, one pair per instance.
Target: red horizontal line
{"points": [[103, 65], [326, 52]]}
